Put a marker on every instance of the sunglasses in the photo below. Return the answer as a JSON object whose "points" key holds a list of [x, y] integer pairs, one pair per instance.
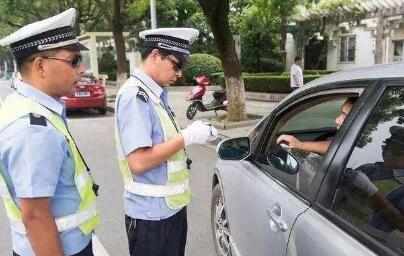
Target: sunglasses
{"points": [[74, 61], [177, 66]]}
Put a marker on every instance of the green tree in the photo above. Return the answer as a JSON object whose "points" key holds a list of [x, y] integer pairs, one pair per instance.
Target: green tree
{"points": [[277, 14], [107, 64], [17, 13], [179, 13], [120, 14], [216, 13], [389, 108], [258, 40]]}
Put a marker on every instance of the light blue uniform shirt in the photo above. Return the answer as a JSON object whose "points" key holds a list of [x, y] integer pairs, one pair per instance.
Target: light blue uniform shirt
{"points": [[37, 162], [139, 127]]}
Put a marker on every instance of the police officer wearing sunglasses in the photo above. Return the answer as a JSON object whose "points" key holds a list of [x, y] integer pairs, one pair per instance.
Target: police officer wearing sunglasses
{"points": [[151, 146], [45, 184]]}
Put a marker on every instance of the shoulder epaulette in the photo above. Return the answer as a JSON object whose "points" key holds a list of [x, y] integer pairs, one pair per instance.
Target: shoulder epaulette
{"points": [[141, 94], [35, 119]]}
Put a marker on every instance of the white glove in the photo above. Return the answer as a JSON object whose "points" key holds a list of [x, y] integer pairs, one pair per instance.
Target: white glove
{"points": [[361, 181], [199, 133], [213, 133]]}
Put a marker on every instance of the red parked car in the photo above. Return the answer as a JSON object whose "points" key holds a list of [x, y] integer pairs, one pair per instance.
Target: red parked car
{"points": [[88, 93]]}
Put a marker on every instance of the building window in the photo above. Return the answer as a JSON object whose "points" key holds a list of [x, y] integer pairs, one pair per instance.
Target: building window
{"points": [[398, 50], [347, 49]]}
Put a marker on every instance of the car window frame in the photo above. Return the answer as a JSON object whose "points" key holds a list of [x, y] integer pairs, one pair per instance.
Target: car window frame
{"points": [[347, 141], [332, 90]]}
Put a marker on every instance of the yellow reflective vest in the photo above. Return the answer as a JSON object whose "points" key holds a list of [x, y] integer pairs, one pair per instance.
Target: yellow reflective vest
{"points": [[176, 190], [86, 217]]}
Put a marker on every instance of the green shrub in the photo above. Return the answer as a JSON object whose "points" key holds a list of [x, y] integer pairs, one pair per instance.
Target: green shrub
{"points": [[264, 74], [272, 65], [267, 84], [318, 72], [107, 65], [202, 64], [272, 84], [310, 72]]}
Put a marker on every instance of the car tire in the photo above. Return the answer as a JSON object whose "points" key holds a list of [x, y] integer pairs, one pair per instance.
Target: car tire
{"points": [[220, 224], [102, 111]]}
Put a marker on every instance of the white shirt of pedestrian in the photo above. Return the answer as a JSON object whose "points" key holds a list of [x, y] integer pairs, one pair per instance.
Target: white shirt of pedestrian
{"points": [[296, 76]]}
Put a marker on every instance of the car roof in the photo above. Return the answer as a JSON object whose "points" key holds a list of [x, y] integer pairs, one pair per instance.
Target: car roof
{"points": [[392, 70]]}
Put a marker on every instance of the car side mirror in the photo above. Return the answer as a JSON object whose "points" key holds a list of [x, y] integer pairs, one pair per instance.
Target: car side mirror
{"points": [[281, 159], [234, 149]]}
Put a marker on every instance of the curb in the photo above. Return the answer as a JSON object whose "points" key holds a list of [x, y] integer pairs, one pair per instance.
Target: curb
{"points": [[269, 97], [230, 125]]}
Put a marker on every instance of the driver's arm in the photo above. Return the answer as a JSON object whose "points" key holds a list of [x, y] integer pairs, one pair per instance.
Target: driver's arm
{"points": [[318, 147]]}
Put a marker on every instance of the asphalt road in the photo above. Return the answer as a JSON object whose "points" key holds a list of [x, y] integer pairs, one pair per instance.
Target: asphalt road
{"points": [[94, 136]]}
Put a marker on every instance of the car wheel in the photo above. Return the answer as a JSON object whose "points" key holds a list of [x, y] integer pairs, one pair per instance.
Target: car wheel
{"points": [[102, 111], [220, 224], [192, 109]]}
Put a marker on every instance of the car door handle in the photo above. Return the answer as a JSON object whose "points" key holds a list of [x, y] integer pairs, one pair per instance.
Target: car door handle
{"points": [[275, 216]]}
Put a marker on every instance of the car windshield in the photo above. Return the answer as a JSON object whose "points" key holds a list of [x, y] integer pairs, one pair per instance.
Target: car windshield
{"points": [[87, 79]]}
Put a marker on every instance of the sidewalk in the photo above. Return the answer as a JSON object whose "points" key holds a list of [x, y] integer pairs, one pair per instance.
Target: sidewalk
{"points": [[261, 107]]}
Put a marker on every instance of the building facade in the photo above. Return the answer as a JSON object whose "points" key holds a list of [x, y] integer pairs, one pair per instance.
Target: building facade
{"points": [[363, 34]]}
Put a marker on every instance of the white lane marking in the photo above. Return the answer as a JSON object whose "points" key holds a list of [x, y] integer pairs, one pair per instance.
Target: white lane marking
{"points": [[98, 248]]}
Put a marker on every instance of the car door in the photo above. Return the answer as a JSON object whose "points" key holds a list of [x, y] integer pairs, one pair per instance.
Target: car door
{"points": [[263, 200], [360, 205], [251, 198]]}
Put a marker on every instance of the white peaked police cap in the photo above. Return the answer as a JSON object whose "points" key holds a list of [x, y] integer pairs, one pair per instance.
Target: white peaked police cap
{"points": [[177, 40]]}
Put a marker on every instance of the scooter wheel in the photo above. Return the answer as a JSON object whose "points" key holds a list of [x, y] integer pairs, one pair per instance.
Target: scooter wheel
{"points": [[191, 110]]}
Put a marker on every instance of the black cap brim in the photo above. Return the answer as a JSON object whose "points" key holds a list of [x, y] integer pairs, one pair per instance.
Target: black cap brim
{"points": [[187, 58], [183, 58], [76, 46]]}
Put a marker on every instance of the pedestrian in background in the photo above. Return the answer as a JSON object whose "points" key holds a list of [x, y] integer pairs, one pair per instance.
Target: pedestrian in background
{"points": [[46, 187], [296, 74], [151, 146]]}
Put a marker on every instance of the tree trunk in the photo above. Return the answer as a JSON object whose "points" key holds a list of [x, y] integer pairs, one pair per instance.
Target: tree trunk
{"points": [[117, 31], [216, 13], [284, 31], [379, 38]]}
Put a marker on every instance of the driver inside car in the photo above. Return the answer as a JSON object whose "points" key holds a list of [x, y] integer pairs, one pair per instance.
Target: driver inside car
{"points": [[318, 147]]}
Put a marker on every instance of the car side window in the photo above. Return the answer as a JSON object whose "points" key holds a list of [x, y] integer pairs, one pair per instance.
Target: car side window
{"points": [[370, 193], [312, 121]]}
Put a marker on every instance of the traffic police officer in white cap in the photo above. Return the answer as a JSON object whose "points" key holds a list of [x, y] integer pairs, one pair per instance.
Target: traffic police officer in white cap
{"points": [[151, 146], [45, 184]]}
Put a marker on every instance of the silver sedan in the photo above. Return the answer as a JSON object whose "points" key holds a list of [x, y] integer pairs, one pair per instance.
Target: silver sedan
{"points": [[318, 176]]}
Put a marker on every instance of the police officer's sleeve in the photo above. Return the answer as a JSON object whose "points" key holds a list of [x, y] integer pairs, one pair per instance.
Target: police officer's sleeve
{"points": [[133, 121], [35, 158]]}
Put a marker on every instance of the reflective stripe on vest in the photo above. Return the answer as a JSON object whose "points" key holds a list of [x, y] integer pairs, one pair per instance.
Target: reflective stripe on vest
{"points": [[86, 218], [386, 186], [176, 191]]}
